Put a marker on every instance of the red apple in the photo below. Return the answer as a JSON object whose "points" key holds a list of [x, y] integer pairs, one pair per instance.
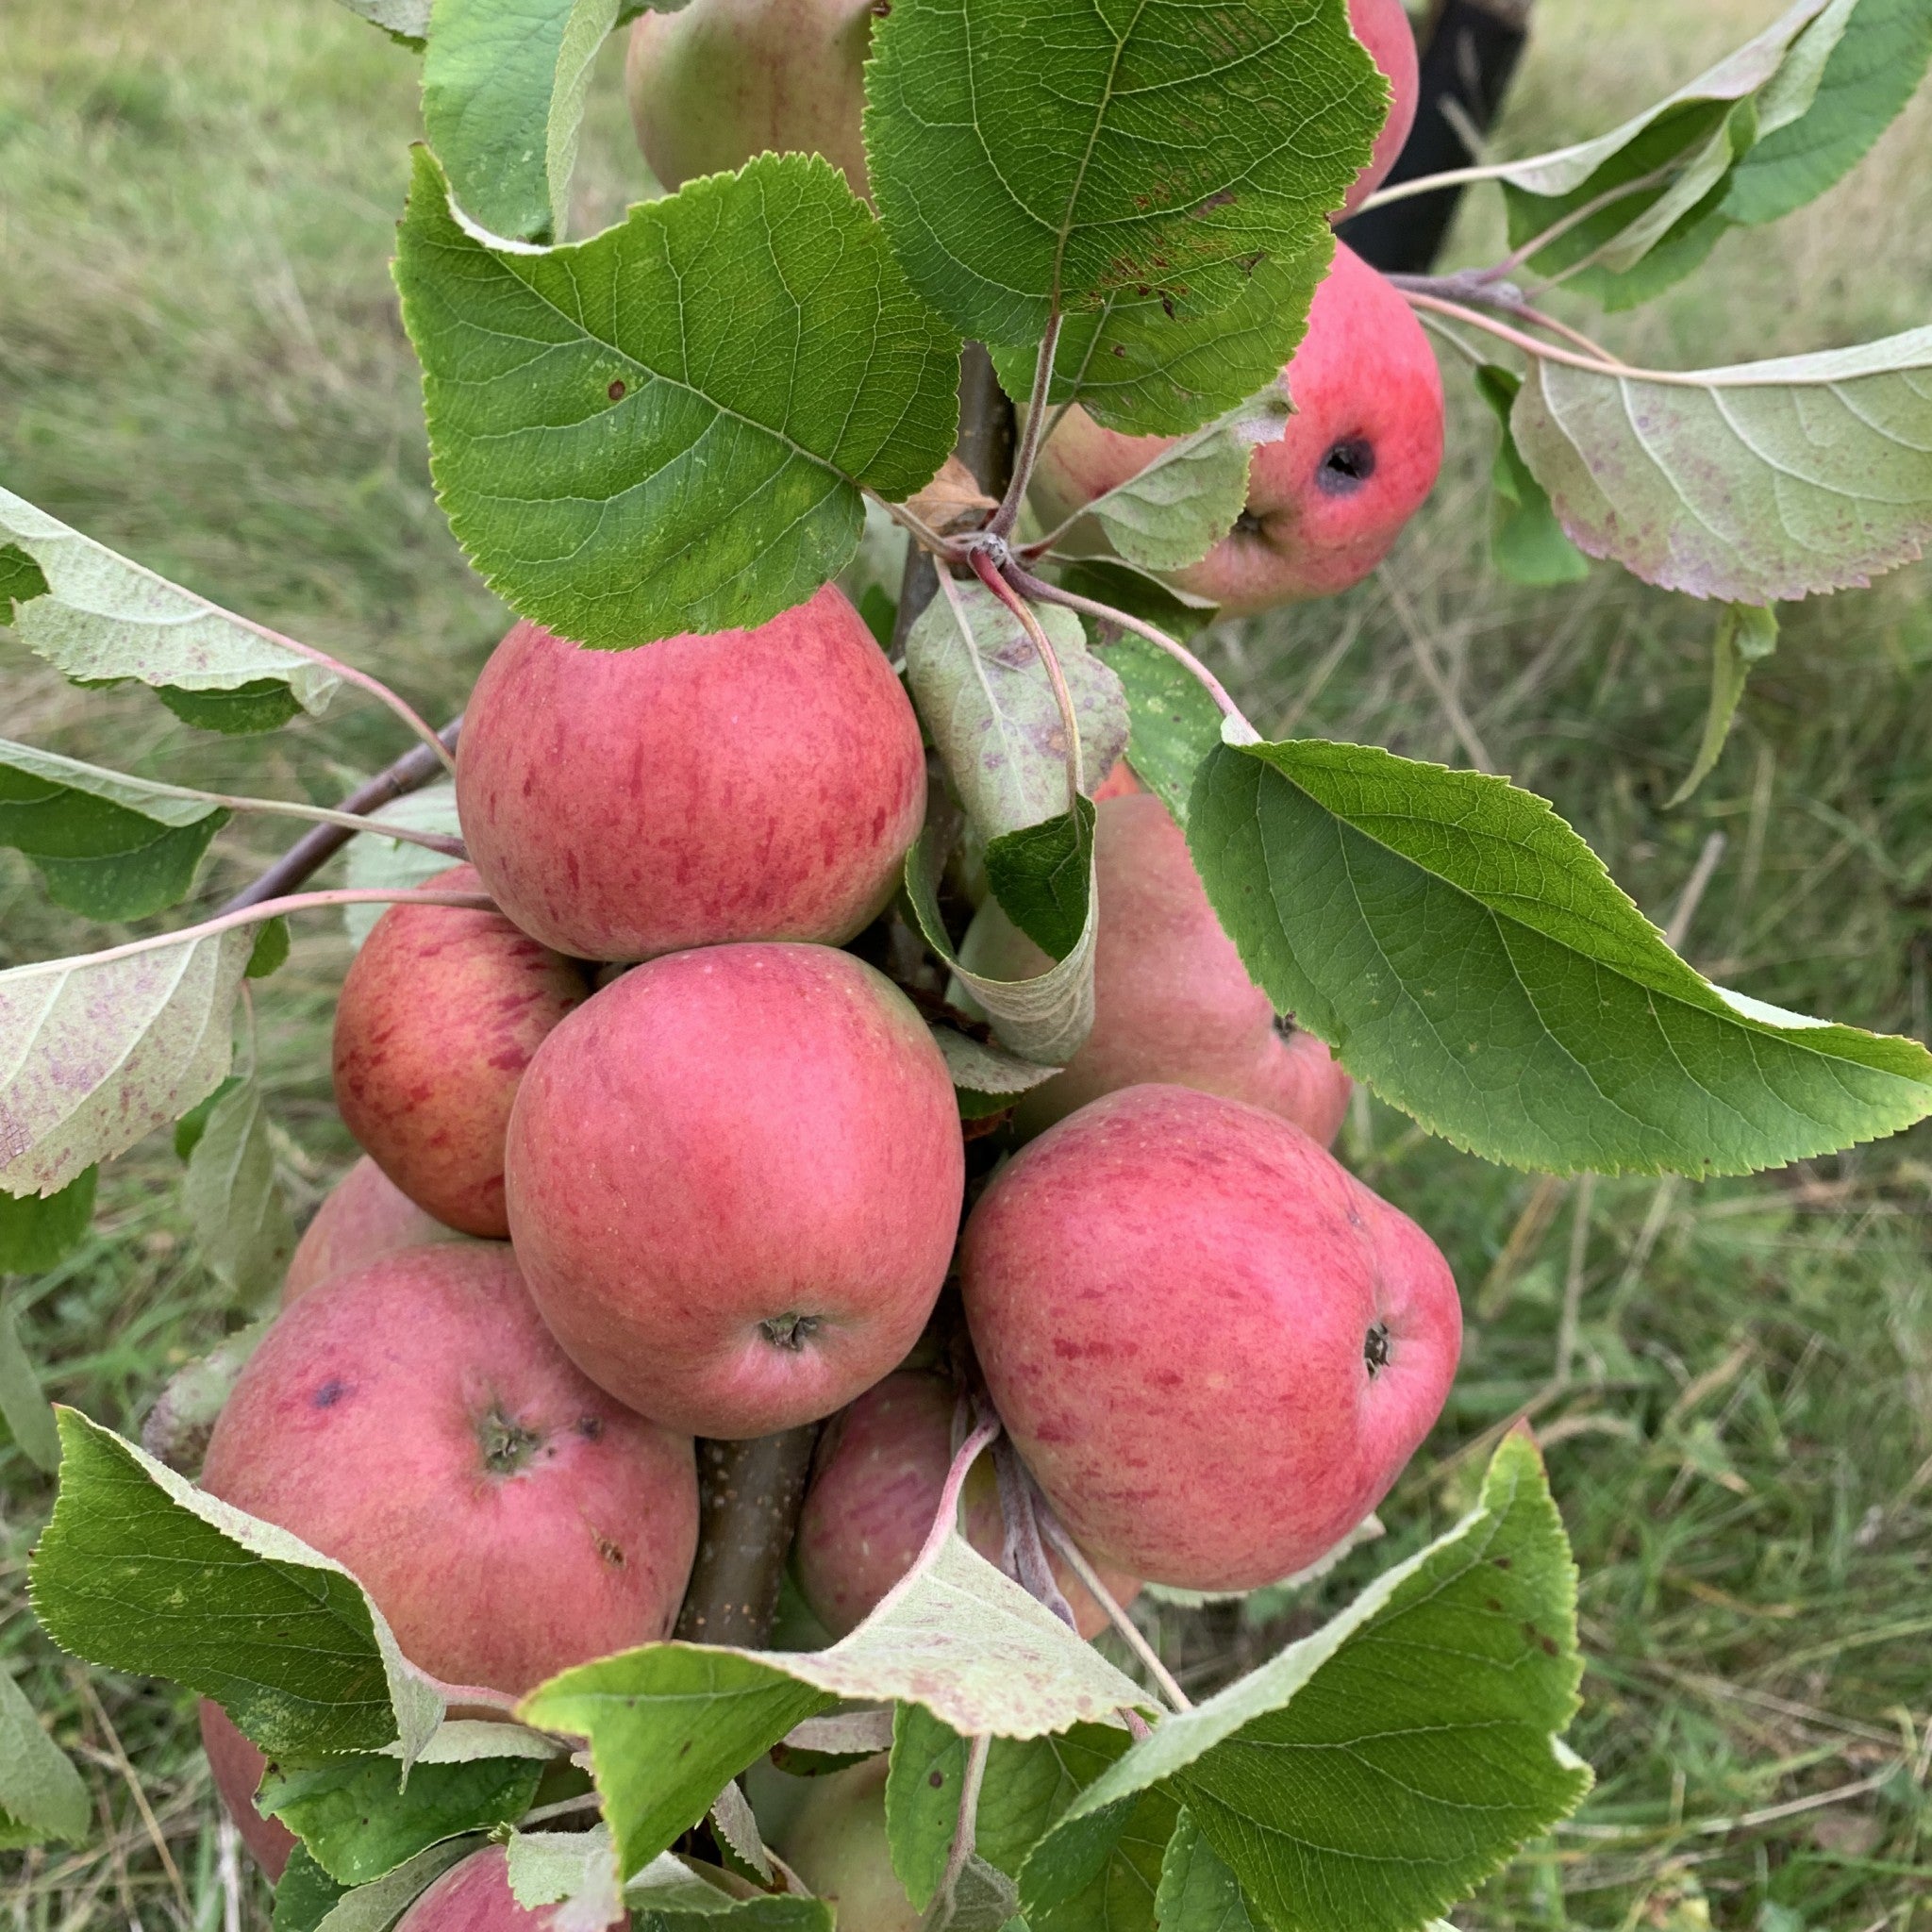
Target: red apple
{"points": [[1382, 27], [1214, 1347], [1121, 782], [743, 785], [735, 1178], [439, 1015], [874, 1490], [416, 1422], [1326, 503], [1172, 1000], [237, 1767], [837, 1843], [722, 80], [362, 1218], [475, 1896]]}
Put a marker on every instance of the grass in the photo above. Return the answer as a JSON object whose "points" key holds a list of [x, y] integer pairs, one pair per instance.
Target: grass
{"points": [[200, 363]]}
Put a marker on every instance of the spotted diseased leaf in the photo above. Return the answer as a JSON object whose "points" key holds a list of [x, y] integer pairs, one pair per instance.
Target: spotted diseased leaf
{"points": [[1759, 483], [668, 428]]}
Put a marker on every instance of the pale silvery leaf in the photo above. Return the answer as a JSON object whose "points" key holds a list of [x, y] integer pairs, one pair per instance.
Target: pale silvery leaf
{"points": [[377, 1907], [105, 617], [407, 20], [395, 864], [983, 1067]]}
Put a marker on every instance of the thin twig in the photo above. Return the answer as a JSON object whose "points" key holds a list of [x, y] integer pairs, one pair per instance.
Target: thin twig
{"points": [[1003, 519], [1470, 286], [1130, 1630]]}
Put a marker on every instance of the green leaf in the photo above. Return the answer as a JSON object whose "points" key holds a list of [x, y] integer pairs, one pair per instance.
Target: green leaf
{"points": [[668, 427], [1043, 878], [1198, 1893], [104, 617], [1467, 955], [1175, 724], [26, 1412], [403, 20], [193, 1124], [139, 1571], [379, 864], [923, 1792], [305, 1894], [1176, 510], [1136, 368], [1029, 162], [377, 1907], [360, 1819], [109, 846], [242, 1227], [1871, 69], [1758, 484], [1105, 1875], [1526, 542], [260, 705], [503, 101], [1122, 588], [668, 1724], [38, 1231], [19, 579], [98, 1051], [270, 952], [1744, 634], [1376, 1772], [41, 1795]]}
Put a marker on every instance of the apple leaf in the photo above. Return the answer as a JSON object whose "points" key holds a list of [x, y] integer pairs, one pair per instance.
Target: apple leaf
{"points": [[26, 1412], [1467, 955], [38, 1231], [503, 101], [102, 617], [108, 846], [1030, 162], [1105, 1880], [1744, 634], [576, 1872], [305, 1893], [361, 1818], [381, 864], [1045, 1019], [242, 1224], [1173, 513], [402, 20], [1197, 1893], [1042, 877], [41, 1795], [1865, 74], [1757, 484], [574, 1869], [979, 1067], [376, 1906], [1376, 1772], [668, 427], [1174, 723], [260, 705], [1526, 543], [176, 1430], [138, 1571], [97, 1050]]}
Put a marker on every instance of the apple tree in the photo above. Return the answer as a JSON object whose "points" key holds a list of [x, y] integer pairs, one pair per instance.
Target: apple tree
{"points": [[847, 1049]]}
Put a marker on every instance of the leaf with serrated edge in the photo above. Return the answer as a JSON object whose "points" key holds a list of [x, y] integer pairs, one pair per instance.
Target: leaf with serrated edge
{"points": [[1173, 724], [1376, 1772], [1176, 510], [106, 617], [408, 20], [41, 1795], [503, 100], [1026, 161], [1198, 1893], [668, 427], [96, 1052], [983, 1066], [1526, 542], [24, 1410], [397, 864], [242, 1228], [1467, 955], [1758, 484], [139, 1571]]}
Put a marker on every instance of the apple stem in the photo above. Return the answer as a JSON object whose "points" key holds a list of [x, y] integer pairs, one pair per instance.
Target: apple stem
{"points": [[1130, 1631], [1242, 732], [988, 572], [1003, 519]]}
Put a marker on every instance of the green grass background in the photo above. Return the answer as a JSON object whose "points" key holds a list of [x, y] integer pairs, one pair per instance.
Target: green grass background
{"points": [[201, 364]]}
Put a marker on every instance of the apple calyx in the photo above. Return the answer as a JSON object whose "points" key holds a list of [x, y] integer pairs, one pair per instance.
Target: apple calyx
{"points": [[508, 1445], [1375, 1350], [790, 1331]]}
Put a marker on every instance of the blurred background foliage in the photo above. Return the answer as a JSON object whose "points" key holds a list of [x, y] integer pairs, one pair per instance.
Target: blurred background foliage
{"points": [[201, 364]]}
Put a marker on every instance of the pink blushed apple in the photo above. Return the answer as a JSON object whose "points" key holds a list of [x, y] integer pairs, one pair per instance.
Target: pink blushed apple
{"points": [[735, 1178], [362, 1218], [473, 1895], [743, 785], [235, 1767], [416, 1421], [1214, 1347], [1382, 27]]}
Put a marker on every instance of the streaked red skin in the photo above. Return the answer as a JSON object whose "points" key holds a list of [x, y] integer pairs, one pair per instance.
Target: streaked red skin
{"points": [[475, 1896], [1382, 27], [1365, 376], [362, 1423], [439, 1015], [746, 785], [1170, 1295], [362, 1218], [1172, 1000], [237, 1767], [722, 1138], [876, 1487]]}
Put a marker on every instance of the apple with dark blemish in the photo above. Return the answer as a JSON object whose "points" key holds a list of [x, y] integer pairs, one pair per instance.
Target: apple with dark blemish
{"points": [[1215, 1348]]}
